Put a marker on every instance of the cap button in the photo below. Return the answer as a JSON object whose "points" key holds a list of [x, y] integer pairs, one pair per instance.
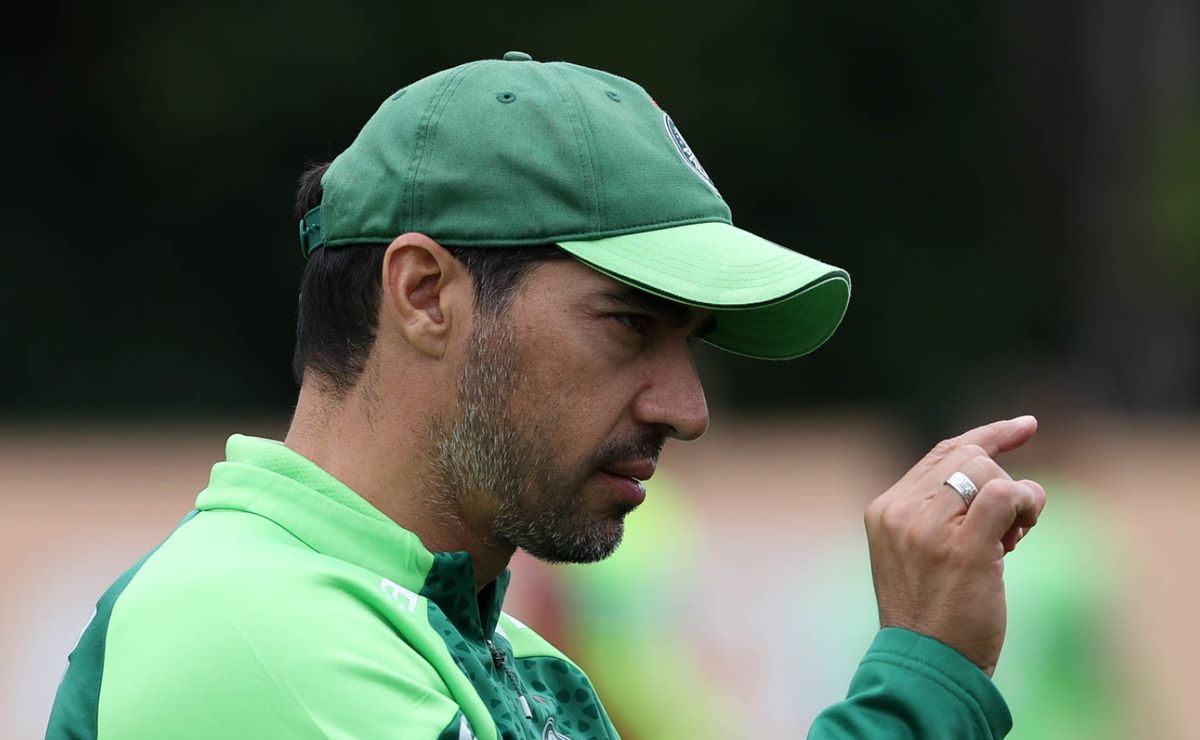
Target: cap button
{"points": [[517, 56]]}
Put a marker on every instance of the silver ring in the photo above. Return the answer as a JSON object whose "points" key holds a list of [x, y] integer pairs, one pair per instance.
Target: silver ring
{"points": [[963, 486]]}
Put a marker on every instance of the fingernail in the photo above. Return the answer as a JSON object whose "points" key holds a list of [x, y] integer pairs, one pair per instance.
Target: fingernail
{"points": [[1025, 417]]}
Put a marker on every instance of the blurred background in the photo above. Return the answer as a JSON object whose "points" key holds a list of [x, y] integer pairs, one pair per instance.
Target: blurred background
{"points": [[1014, 187]]}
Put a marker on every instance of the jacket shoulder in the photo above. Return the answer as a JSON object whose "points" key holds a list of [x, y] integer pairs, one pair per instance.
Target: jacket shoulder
{"points": [[235, 628]]}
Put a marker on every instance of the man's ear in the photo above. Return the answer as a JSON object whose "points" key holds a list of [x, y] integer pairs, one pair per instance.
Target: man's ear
{"points": [[425, 290]]}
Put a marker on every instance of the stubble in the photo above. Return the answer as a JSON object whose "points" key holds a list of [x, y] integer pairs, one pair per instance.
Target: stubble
{"points": [[487, 458]]}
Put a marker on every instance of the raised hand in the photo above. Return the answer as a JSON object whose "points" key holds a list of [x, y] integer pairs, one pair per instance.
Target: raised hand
{"points": [[938, 564]]}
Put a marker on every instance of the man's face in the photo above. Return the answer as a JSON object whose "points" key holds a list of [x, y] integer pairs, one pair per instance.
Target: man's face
{"points": [[564, 402]]}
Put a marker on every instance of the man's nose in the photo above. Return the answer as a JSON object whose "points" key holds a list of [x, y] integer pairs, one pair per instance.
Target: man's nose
{"points": [[674, 398]]}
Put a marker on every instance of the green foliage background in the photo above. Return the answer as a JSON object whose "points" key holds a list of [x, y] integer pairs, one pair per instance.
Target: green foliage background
{"points": [[933, 148]]}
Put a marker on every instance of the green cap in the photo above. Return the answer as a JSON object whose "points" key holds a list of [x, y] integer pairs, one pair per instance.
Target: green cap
{"points": [[513, 152]]}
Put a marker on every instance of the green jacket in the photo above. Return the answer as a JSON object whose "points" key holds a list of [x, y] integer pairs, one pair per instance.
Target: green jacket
{"points": [[286, 606]]}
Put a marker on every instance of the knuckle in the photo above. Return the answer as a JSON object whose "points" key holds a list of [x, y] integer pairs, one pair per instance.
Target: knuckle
{"points": [[896, 522], [1026, 495], [987, 466], [945, 447], [981, 464], [975, 452], [1037, 487], [874, 514], [997, 487], [887, 518], [1014, 493]]}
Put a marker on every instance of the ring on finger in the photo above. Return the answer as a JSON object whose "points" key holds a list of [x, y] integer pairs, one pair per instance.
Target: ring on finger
{"points": [[963, 486]]}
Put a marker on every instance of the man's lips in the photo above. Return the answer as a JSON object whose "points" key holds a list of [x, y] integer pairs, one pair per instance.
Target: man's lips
{"points": [[626, 479], [637, 469]]}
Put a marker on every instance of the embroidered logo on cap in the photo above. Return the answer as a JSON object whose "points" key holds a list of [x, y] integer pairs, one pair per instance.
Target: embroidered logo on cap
{"points": [[685, 151]]}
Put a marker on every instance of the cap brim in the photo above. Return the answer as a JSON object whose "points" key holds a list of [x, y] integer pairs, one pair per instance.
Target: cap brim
{"points": [[768, 301]]}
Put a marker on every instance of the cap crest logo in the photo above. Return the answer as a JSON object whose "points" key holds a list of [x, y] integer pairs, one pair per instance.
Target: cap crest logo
{"points": [[686, 153]]}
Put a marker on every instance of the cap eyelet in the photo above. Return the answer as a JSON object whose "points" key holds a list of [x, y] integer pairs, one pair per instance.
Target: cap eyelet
{"points": [[613, 96], [506, 97]]}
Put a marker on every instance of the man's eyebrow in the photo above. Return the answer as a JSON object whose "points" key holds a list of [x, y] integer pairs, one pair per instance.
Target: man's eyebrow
{"points": [[675, 314]]}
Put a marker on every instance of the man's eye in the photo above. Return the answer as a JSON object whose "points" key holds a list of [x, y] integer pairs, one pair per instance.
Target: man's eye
{"points": [[634, 321]]}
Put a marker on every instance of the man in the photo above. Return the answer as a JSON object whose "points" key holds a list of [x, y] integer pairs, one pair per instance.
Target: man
{"points": [[506, 269]]}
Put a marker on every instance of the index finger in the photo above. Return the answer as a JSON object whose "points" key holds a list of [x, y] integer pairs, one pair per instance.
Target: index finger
{"points": [[992, 439], [1000, 436]]}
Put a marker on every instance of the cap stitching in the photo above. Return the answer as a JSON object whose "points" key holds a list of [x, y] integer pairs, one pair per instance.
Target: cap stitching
{"points": [[759, 305], [419, 149], [443, 104], [769, 265], [780, 267], [577, 126], [776, 267], [589, 143], [420, 145], [765, 266], [534, 239]]}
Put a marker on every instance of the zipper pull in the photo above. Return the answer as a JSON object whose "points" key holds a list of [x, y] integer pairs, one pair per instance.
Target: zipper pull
{"points": [[498, 659], [497, 655]]}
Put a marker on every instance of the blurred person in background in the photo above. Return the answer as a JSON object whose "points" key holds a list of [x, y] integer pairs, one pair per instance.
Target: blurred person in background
{"points": [[506, 270]]}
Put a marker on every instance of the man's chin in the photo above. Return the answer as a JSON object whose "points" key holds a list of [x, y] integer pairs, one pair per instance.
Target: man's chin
{"points": [[600, 542]]}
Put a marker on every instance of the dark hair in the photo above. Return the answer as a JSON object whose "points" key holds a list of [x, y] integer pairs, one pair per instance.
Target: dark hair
{"points": [[339, 293]]}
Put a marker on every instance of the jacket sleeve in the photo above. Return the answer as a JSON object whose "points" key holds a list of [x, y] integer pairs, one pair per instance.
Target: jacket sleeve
{"points": [[912, 686]]}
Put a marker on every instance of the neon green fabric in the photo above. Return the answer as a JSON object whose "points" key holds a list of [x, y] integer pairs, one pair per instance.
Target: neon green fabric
{"points": [[766, 301], [287, 607]]}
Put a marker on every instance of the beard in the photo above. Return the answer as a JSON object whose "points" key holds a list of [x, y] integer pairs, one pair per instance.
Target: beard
{"points": [[487, 458]]}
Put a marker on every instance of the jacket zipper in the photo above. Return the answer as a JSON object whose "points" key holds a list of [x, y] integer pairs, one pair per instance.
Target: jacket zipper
{"points": [[499, 660]]}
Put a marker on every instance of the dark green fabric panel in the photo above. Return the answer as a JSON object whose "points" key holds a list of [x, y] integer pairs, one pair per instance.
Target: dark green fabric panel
{"points": [[560, 699], [912, 686], [558, 686], [454, 613], [76, 706]]}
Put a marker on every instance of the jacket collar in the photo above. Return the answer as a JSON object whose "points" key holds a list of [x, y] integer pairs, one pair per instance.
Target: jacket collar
{"points": [[264, 477]]}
